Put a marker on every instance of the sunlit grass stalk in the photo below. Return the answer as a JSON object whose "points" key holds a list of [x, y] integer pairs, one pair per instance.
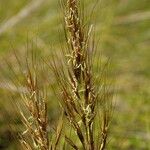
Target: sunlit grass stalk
{"points": [[80, 98], [36, 104], [33, 109]]}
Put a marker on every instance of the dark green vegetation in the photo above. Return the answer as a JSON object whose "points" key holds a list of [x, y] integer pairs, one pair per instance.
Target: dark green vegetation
{"points": [[123, 31]]}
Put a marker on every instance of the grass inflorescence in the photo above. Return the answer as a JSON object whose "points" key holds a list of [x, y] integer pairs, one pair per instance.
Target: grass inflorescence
{"points": [[84, 99], [80, 97]]}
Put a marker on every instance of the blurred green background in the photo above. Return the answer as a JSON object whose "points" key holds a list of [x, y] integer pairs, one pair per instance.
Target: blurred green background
{"points": [[123, 30]]}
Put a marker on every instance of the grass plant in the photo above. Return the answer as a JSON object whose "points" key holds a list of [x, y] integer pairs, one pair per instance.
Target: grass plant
{"points": [[83, 97]]}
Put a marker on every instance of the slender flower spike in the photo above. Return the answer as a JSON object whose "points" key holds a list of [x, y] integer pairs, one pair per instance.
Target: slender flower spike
{"points": [[80, 97], [75, 36]]}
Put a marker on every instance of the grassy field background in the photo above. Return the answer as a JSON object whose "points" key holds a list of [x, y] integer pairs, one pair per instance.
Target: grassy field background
{"points": [[123, 30]]}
